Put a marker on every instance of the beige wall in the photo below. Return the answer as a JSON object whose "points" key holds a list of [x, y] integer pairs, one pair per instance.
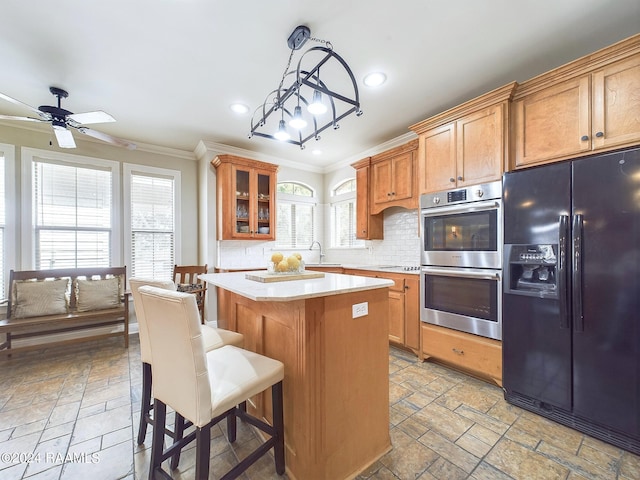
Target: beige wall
{"points": [[156, 157]]}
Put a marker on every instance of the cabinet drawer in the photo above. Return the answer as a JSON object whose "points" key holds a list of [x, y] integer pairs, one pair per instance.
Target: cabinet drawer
{"points": [[478, 355]]}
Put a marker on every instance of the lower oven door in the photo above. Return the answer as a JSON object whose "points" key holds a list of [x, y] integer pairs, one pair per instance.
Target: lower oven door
{"points": [[465, 299]]}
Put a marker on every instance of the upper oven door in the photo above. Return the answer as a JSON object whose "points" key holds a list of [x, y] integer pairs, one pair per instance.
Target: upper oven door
{"points": [[463, 235]]}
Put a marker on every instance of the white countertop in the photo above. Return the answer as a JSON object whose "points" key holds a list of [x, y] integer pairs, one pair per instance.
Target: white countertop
{"points": [[375, 268], [330, 284]]}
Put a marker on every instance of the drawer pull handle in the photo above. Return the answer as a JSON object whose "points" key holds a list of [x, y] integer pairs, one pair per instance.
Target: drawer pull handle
{"points": [[459, 352]]}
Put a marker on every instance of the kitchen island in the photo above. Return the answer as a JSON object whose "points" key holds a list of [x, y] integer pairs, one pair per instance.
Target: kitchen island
{"points": [[336, 385]]}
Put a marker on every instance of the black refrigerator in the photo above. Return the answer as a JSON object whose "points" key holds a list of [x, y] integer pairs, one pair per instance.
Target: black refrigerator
{"points": [[571, 303]]}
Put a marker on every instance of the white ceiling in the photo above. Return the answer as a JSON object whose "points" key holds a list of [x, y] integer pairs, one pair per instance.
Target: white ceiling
{"points": [[168, 70]]}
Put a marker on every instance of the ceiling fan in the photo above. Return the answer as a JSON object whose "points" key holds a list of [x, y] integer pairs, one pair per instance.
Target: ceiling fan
{"points": [[61, 119]]}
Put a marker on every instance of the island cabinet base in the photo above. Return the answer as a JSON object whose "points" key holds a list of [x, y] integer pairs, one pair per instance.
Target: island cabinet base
{"points": [[336, 384]]}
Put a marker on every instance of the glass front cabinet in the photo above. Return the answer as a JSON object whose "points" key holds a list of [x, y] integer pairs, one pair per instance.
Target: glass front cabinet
{"points": [[245, 196]]}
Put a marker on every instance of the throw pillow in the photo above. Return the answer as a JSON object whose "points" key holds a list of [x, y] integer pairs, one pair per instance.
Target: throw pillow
{"points": [[35, 299], [97, 294]]}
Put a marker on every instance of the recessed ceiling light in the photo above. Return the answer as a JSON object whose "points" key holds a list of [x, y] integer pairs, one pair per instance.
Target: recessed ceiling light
{"points": [[374, 79], [239, 108]]}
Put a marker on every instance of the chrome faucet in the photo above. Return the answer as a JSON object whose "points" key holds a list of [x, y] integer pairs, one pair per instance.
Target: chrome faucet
{"points": [[320, 247]]}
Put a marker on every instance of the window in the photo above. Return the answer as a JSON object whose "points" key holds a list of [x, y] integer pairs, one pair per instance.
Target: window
{"points": [[151, 202], [71, 202], [3, 222], [343, 215], [296, 215], [7, 198]]}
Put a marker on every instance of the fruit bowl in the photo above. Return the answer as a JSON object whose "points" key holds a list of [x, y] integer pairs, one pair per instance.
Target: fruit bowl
{"points": [[281, 265]]}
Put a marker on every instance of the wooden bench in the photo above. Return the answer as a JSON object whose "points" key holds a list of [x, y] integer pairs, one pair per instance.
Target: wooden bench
{"points": [[92, 297]]}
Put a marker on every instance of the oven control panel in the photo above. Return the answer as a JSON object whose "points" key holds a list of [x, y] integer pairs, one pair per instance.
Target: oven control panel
{"points": [[485, 191]]}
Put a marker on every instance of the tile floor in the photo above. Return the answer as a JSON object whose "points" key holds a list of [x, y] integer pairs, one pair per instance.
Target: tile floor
{"points": [[72, 413]]}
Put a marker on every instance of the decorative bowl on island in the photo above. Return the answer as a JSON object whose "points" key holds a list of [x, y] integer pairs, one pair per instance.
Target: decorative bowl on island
{"points": [[281, 265]]}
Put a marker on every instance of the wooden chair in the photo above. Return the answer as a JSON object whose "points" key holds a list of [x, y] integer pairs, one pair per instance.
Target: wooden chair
{"points": [[186, 278]]}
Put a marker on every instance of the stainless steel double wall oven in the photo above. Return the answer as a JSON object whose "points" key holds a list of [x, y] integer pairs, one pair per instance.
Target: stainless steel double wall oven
{"points": [[461, 275]]}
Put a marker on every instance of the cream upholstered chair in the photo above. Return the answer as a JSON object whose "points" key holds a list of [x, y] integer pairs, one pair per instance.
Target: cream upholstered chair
{"points": [[212, 338], [205, 387]]}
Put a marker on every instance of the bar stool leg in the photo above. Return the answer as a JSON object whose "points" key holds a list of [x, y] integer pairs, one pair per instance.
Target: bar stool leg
{"points": [[157, 444], [178, 432], [203, 446], [145, 408], [231, 425], [278, 424]]}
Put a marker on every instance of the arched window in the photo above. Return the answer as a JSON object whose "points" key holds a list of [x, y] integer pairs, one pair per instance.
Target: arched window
{"points": [[296, 215], [343, 215]]}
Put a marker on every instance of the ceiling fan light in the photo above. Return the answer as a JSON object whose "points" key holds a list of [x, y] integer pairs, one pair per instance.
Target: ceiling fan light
{"points": [[316, 107], [282, 133], [297, 121]]}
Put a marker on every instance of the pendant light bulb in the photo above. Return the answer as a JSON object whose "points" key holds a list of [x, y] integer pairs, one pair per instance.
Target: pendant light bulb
{"points": [[297, 121], [282, 133], [316, 107]]}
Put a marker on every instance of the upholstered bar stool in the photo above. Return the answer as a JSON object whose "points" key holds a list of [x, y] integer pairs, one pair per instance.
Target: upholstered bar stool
{"points": [[205, 387], [212, 338]]}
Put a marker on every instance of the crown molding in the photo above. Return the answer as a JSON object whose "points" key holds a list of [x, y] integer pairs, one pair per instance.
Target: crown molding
{"points": [[383, 147], [140, 147], [208, 150]]}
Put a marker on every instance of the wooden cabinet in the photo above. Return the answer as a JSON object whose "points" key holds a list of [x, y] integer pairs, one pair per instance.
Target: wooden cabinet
{"points": [[404, 307], [465, 145], [368, 226], [588, 105], [246, 207], [477, 355], [393, 178]]}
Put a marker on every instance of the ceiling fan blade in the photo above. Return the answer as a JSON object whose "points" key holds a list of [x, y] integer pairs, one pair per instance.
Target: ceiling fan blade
{"points": [[91, 117], [18, 102], [26, 119], [64, 137], [107, 138]]}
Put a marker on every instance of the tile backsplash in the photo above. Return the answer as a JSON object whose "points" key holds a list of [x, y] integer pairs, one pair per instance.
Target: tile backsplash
{"points": [[401, 246]]}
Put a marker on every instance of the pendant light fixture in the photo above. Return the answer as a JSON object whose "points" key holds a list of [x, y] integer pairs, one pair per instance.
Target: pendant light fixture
{"points": [[307, 99]]}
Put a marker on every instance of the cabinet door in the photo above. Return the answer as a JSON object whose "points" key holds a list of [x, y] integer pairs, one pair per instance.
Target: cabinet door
{"points": [[402, 176], [552, 123], [437, 166], [264, 213], [616, 103], [241, 220], [368, 226], [480, 147], [396, 316], [412, 312], [382, 182]]}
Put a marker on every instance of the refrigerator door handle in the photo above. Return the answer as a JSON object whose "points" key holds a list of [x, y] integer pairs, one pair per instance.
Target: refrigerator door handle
{"points": [[563, 234], [577, 274]]}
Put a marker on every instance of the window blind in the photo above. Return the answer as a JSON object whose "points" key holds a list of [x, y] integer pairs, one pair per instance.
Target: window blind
{"points": [[72, 214], [295, 225], [152, 226], [3, 224], [344, 224]]}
